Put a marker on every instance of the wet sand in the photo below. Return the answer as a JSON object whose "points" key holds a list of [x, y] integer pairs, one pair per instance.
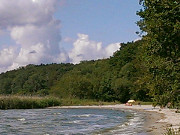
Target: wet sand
{"points": [[156, 122], [152, 126]]}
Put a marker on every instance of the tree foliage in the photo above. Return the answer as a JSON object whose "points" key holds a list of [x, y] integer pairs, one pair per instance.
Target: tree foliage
{"points": [[161, 55], [105, 80], [32, 79]]}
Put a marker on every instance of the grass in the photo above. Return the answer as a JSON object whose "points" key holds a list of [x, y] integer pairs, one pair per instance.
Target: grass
{"points": [[143, 103], [71, 102], [27, 102], [171, 131], [35, 102]]}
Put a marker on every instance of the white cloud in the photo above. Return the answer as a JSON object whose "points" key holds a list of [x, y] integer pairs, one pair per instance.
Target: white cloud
{"points": [[30, 23], [22, 12], [34, 29], [32, 34], [110, 49], [44, 39], [137, 39], [85, 49], [8, 55], [31, 55]]}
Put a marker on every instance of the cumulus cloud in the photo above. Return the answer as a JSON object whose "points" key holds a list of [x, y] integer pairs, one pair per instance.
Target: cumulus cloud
{"points": [[23, 12], [8, 55], [43, 40], [32, 26], [137, 39], [110, 49], [86, 49], [30, 23]]}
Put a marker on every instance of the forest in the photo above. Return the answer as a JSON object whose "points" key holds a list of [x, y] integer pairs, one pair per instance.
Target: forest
{"points": [[145, 70]]}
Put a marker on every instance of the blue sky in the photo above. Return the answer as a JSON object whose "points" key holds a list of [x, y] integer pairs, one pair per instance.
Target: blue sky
{"points": [[108, 21], [63, 31]]}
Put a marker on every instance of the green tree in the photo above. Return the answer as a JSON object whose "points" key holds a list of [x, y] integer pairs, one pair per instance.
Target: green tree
{"points": [[161, 54]]}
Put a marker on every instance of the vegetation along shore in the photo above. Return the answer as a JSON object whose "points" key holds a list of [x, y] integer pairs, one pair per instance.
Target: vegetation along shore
{"points": [[146, 70]]}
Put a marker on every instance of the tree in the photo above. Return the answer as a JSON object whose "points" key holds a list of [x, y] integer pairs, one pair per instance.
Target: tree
{"points": [[161, 55]]}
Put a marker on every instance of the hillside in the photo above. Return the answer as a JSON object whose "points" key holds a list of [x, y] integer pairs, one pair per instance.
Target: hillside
{"points": [[32, 79], [106, 80]]}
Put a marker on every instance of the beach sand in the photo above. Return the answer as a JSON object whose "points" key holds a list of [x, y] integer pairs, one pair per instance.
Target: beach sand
{"points": [[156, 121]]}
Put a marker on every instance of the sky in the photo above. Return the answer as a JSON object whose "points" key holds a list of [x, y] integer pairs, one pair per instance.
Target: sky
{"points": [[64, 31]]}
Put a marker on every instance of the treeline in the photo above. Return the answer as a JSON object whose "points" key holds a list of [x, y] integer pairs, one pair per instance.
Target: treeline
{"points": [[110, 79], [32, 79], [105, 80], [146, 70]]}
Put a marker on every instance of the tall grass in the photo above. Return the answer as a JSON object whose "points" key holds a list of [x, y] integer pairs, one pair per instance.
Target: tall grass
{"points": [[74, 101], [34, 102], [171, 131], [28, 102]]}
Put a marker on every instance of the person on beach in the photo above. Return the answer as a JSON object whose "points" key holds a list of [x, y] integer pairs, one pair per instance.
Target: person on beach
{"points": [[128, 104]]}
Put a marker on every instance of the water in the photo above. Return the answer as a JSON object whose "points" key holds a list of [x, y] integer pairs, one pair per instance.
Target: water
{"points": [[71, 122]]}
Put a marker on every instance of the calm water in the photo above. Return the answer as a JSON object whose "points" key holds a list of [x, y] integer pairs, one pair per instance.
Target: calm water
{"points": [[70, 122]]}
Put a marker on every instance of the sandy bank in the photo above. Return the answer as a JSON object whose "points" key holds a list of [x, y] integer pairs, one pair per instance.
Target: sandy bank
{"points": [[157, 120]]}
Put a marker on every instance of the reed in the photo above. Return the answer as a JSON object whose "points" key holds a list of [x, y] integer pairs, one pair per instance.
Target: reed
{"points": [[171, 131], [35, 102], [28, 102]]}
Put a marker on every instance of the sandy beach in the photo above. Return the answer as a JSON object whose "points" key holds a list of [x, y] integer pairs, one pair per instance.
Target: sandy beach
{"points": [[156, 121]]}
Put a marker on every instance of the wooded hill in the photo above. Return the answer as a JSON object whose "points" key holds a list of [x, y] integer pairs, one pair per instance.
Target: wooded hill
{"points": [[106, 80]]}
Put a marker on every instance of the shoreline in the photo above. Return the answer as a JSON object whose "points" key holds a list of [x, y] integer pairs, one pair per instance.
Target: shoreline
{"points": [[156, 121]]}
